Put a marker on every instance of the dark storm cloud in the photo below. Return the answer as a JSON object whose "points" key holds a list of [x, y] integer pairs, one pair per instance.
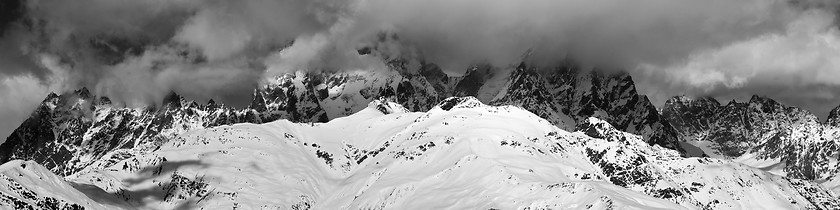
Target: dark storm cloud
{"points": [[605, 32], [15, 58], [10, 11], [798, 66], [102, 41], [137, 51]]}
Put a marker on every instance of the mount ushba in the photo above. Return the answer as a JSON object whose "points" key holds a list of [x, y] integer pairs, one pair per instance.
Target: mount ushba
{"points": [[280, 152]]}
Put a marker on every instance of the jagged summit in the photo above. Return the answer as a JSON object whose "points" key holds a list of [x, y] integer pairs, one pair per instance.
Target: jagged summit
{"points": [[697, 101], [834, 117], [761, 99], [173, 101], [760, 132], [84, 93], [258, 102]]}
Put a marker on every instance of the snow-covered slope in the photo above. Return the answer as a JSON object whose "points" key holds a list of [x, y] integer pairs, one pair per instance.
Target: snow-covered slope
{"points": [[28, 185], [460, 154], [702, 182]]}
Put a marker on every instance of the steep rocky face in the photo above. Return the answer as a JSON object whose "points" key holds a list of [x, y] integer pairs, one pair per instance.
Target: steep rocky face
{"points": [[611, 97], [78, 130], [696, 120], [526, 89], [834, 117], [567, 95], [762, 133]]}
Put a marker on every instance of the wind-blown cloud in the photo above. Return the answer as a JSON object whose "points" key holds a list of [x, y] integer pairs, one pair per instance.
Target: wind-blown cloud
{"points": [[137, 51], [19, 93], [799, 66]]}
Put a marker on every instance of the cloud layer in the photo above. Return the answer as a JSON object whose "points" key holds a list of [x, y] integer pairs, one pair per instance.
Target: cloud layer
{"points": [[798, 66], [137, 51]]}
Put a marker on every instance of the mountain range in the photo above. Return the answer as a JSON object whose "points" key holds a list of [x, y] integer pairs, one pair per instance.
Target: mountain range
{"points": [[762, 133], [515, 137]]}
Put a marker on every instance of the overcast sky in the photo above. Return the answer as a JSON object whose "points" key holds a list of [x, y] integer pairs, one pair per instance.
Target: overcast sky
{"points": [[136, 51]]}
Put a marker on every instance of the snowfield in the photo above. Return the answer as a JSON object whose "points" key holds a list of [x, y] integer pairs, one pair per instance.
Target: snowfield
{"points": [[461, 154]]}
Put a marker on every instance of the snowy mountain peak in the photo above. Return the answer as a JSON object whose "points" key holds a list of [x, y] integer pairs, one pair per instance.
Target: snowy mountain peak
{"points": [[834, 117], [765, 104], [258, 102]]}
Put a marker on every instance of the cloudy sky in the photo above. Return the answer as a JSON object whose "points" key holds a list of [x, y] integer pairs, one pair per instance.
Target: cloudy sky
{"points": [[136, 51]]}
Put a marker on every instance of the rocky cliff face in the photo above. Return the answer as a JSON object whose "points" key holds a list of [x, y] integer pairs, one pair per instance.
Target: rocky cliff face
{"points": [[762, 133], [611, 97], [567, 95]]}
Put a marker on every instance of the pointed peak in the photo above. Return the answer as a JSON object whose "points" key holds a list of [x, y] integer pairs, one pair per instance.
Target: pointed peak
{"points": [[172, 100], [459, 102], [211, 104], [765, 104], [759, 99], [51, 100], [193, 104], [52, 95], [834, 117], [84, 93], [258, 101]]}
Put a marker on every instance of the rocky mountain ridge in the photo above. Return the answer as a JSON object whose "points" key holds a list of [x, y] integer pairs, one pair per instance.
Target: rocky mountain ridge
{"points": [[78, 130], [761, 132]]}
